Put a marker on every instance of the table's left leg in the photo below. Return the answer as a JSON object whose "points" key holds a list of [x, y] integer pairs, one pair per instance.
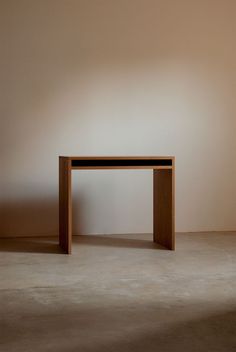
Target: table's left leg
{"points": [[65, 206], [164, 208]]}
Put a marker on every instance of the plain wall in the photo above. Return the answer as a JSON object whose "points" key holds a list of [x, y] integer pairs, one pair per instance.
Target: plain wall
{"points": [[109, 77]]}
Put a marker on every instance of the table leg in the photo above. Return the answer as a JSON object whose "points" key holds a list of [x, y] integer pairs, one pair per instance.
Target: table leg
{"points": [[164, 208], [65, 205]]}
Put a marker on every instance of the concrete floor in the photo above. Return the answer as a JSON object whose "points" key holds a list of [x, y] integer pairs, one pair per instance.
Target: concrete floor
{"points": [[119, 293]]}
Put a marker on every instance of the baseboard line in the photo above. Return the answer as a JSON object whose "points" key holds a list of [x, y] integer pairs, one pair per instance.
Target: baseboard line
{"points": [[40, 235]]}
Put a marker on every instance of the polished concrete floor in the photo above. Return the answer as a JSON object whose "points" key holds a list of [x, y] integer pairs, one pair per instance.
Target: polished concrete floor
{"points": [[119, 294]]}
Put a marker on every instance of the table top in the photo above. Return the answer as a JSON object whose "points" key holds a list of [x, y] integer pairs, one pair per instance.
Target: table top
{"points": [[108, 157]]}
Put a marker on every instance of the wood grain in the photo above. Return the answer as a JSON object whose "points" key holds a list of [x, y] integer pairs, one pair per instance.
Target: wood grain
{"points": [[65, 206], [164, 208]]}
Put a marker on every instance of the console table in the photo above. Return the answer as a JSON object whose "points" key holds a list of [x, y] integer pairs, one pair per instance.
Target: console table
{"points": [[163, 192]]}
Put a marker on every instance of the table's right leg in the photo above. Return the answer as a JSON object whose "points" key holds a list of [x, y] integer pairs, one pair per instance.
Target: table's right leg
{"points": [[65, 205], [164, 208]]}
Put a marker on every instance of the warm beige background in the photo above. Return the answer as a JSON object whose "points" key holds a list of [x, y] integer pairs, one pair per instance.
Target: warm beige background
{"points": [[127, 77]]}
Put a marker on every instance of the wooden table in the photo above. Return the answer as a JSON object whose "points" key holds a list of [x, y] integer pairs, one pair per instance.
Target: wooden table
{"points": [[163, 192]]}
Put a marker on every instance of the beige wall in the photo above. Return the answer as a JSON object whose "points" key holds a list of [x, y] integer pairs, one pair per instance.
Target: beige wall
{"points": [[127, 77]]}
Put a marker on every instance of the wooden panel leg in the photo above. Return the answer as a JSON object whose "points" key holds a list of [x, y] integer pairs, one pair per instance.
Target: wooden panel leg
{"points": [[65, 209], [163, 208]]}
